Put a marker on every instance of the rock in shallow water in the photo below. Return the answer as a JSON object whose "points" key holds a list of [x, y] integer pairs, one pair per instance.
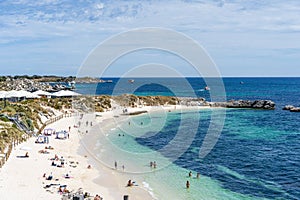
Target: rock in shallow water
{"points": [[257, 104]]}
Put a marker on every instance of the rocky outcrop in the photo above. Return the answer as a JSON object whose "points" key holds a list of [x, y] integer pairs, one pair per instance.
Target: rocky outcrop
{"points": [[257, 104], [295, 109], [288, 107], [291, 108]]}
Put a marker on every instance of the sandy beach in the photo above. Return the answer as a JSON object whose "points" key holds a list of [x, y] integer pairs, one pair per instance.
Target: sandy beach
{"points": [[26, 177], [22, 178]]}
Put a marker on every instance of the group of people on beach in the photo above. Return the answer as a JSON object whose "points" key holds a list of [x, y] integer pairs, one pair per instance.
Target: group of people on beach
{"points": [[116, 166]]}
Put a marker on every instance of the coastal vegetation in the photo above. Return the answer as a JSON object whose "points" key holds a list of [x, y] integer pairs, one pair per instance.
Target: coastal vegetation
{"points": [[134, 101], [26, 112]]}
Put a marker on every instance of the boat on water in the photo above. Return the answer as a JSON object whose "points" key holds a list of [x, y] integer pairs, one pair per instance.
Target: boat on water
{"points": [[131, 81], [206, 88]]}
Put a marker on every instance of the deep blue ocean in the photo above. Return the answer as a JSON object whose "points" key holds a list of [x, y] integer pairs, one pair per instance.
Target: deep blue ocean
{"points": [[258, 152]]}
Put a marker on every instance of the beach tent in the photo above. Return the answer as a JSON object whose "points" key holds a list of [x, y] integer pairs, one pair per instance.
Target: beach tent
{"points": [[42, 139], [42, 93], [65, 93], [48, 131], [62, 135]]}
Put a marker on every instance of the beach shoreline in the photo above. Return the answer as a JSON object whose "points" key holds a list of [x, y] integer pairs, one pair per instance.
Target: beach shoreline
{"points": [[112, 120], [101, 179], [25, 175]]}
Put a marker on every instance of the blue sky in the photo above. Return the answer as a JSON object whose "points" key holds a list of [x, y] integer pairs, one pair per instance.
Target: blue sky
{"points": [[243, 37]]}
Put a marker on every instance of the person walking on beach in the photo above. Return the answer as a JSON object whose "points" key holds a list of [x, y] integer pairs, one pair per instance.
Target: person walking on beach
{"points": [[116, 165]]}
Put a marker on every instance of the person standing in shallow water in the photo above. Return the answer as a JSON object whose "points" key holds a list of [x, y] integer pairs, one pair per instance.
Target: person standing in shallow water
{"points": [[116, 165], [190, 174], [154, 164], [187, 184]]}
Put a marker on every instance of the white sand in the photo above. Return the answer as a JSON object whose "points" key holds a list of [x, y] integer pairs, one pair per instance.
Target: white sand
{"points": [[21, 178]]}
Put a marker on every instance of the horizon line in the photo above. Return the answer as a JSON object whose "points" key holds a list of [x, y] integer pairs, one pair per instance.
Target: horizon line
{"points": [[151, 76]]}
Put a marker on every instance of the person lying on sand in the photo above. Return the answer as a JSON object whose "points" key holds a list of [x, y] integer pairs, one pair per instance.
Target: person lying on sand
{"points": [[97, 197], [43, 151], [63, 189], [131, 183], [50, 177], [67, 176]]}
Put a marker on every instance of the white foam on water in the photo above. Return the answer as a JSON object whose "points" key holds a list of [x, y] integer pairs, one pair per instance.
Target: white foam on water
{"points": [[149, 189]]}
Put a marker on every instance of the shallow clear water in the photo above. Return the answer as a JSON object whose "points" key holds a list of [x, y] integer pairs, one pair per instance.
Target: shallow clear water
{"points": [[257, 155]]}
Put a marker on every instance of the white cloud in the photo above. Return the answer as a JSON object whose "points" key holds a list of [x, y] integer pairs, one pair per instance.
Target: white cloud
{"points": [[240, 27]]}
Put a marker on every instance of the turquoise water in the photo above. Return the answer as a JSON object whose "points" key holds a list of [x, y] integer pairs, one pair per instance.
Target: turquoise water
{"points": [[257, 155], [250, 161]]}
